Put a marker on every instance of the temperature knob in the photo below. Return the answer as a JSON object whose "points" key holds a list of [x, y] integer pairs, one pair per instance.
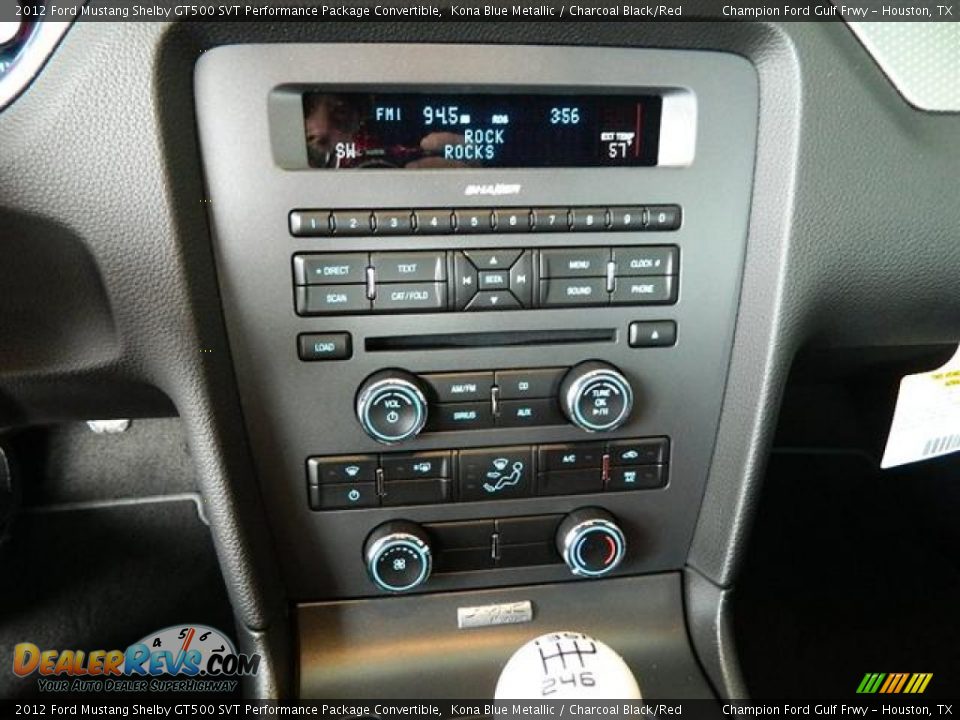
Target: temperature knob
{"points": [[398, 556], [391, 406], [590, 542], [596, 396]]}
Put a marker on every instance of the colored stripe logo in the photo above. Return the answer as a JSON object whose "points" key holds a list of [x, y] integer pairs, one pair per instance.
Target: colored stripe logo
{"points": [[894, 683]]}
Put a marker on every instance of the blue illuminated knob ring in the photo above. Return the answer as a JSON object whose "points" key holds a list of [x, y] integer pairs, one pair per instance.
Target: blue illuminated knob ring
{"points": [[396, 385], [590, 377], [592, 530], [398, 557]]}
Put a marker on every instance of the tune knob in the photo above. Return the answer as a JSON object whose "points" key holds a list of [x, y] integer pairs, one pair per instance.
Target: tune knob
{"points": [[391, 406], [590, 542], [596, 396], [398, 556]]}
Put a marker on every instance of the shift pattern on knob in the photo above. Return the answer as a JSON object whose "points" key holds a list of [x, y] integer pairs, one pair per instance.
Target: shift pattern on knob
{"points": [[596, 396], [590, 542], [398, 556], [391, 406]]}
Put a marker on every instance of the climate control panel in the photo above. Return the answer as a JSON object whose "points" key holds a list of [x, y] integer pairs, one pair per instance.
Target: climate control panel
{"points": [[495, 473]]}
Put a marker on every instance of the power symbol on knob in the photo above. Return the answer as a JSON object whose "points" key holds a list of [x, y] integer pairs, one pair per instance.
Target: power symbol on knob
{"points": [[391, 406]]}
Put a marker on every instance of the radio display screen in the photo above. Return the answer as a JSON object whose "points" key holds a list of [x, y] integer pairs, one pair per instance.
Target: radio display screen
{"points": [[346, 130]]}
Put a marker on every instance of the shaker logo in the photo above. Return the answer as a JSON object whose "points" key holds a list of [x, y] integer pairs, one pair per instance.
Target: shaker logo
{"points": [[498, 189]]}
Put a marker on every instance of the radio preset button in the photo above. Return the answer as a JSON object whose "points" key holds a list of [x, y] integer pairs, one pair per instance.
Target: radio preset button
{"points": [[573, 292], [310, 223], [393, 222], [474, 221], [332, 299], [644, 290], [551, 219], [324, 346], [574, 262], [588, 219], [352, 222], [512, 220], [409, 266], [646, 260], [493, 300], [330, 269], [662, 217], [434, 222], [460, 387], [626, 217], [410, 297]]}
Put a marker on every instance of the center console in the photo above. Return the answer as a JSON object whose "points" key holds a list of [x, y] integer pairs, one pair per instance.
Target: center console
{"points": [[480, 302]]}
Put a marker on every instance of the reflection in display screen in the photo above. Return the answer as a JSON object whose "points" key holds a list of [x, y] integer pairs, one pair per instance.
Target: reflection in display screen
{"points": [[347, 130]]}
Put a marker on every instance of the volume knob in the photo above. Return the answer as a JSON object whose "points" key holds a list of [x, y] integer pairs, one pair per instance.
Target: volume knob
{"points": [[596, 396], [391, 406]]}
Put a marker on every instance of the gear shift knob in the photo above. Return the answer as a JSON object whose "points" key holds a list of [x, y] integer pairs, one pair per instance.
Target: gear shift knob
{"points": [[566, 666]]}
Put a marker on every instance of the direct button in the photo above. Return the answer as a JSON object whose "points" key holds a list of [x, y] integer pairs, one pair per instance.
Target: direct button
{"points": [[409, 267], [574, 262], [495, 473], [330, 269], [410, 297], [324, 346], [342, 469], [646, 260], [573, 292], [347, 495], [331, 299], [460, 387]]}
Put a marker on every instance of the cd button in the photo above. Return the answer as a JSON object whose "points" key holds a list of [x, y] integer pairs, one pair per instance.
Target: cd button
{"points": [[561, 293], [409, 267], [352, 222], [434, 222], [332, 299], [410, 297], [533, 383], [474, 221], [330, 269], [393, 222]]}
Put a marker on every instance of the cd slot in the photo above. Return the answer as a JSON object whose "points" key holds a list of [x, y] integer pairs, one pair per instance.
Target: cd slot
{"points": [[517, 338]]}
